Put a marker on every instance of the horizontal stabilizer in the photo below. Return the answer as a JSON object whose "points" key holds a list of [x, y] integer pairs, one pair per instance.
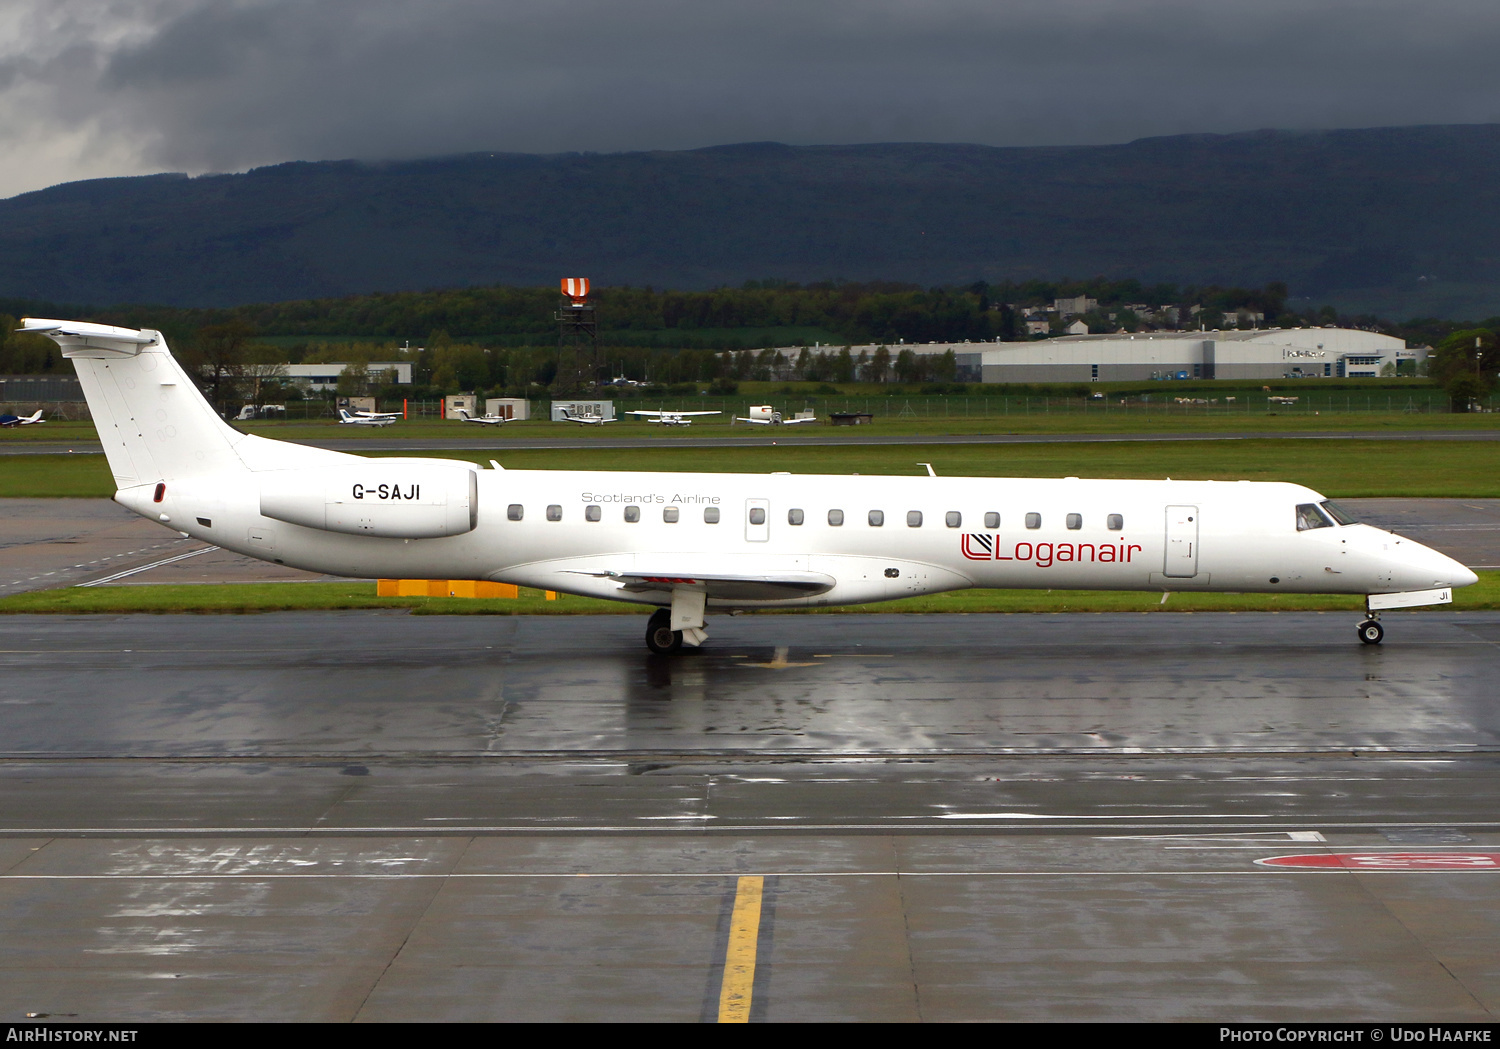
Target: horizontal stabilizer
{"points": [[86, 339]]}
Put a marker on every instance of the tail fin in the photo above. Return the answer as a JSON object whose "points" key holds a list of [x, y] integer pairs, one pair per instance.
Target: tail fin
{"points": [[154, 424]]}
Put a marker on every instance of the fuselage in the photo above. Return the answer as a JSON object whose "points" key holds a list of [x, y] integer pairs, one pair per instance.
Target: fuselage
{"points": [[878, 538]]}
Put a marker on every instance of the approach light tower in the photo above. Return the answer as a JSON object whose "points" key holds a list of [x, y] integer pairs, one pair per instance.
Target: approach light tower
{"points": [[577, 337]]}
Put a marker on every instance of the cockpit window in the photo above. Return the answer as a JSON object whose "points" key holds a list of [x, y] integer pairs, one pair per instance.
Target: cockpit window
{"points": [[1338, 513], [1309, 516]]}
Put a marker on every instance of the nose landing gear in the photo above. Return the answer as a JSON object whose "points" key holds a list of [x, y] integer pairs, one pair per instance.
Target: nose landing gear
{"points": [[1371, 632]]}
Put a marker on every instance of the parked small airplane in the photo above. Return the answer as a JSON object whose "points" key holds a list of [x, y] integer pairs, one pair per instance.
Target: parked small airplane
{"points": [[487, 419], [7, 419], [393, 416], [363, 419], [765, 415], [690, 542], [671, 418], [584, 418]]}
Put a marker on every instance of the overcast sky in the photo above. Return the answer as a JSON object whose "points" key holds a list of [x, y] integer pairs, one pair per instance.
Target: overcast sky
{"points": [[91, 88]]}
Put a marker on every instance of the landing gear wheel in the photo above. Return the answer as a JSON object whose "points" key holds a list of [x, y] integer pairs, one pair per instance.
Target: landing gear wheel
{"points": [[660, 637], [1371, 632]]}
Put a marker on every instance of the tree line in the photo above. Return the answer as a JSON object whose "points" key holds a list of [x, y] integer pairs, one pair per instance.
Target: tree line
{"points": [[851, 312], [503, 339]]}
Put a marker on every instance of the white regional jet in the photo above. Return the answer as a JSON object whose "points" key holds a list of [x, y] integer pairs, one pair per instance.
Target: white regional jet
{"points": [[691, 542], [671, 418], [362, 419]]}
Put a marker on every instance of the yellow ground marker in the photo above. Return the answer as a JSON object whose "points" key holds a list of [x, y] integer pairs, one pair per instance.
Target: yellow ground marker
{"points": [[739, 957], [444, 588]]}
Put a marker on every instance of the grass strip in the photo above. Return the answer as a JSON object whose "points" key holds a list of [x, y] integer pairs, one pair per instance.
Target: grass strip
{"points": [[1340, 468], [239, 598]]}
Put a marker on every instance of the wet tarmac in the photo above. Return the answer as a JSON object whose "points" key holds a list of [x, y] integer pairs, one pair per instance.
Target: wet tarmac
{"points": [[376, 816]]}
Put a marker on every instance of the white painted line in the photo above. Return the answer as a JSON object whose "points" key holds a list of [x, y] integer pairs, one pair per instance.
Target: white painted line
{"points": [[1049, 816], [146, 568]]}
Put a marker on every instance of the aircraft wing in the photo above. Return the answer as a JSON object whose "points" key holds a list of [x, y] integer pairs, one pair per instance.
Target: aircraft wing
{"points": [[757, 422], [752, 585], [794, 422]]}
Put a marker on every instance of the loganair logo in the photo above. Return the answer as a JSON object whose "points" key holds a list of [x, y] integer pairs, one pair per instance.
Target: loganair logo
{"points": [[976, 546]]}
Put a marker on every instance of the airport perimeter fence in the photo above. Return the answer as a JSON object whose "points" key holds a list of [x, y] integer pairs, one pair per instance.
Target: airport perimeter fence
{"points": [[959, 406], [924, 406]]}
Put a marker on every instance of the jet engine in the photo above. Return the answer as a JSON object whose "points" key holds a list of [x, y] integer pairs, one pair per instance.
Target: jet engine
{"points": [[379, 497]]}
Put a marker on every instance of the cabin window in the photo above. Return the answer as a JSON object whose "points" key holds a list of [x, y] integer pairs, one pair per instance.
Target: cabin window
{"points": [[757, 515], [992, 520], [877, 518], [1075, 522], [835, 517], [794, 517], [1338, 513], [953, 519], [1033, 520], [591, 513], [554, 512], [632, 514], [514, 512], [669, 514], [914, 519], [1309, 516], [710, 515], [1114, 522]]}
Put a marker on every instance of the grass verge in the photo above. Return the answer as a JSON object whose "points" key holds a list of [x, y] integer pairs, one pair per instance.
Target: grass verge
{"points": [[1340, 468], [301, 597]]}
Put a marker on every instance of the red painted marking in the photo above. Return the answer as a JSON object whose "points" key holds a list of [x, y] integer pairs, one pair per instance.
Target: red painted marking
{"points": [[977, 547], [1390, 861]]}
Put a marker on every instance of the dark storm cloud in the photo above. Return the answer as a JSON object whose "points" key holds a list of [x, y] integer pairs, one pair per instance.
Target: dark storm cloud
{"points": [[208, 84]]}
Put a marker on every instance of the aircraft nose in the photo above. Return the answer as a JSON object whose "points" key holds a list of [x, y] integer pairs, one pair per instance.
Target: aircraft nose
{"points": [[1426, 568]]}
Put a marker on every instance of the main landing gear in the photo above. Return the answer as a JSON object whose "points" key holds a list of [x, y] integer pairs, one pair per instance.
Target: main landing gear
{"points": [[1371, 632], [669, 629], [660, 637]]}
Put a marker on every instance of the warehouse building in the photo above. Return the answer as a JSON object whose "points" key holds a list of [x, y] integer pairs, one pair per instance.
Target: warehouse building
{"points": [[1273, 353], [326, 376]]}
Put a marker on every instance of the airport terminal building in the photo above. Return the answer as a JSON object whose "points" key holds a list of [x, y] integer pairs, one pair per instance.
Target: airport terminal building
{"points": [[1272, 353]]}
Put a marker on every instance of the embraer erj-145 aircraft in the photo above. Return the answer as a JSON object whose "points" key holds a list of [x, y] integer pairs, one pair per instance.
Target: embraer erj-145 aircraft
{"points": [[693, 542]]}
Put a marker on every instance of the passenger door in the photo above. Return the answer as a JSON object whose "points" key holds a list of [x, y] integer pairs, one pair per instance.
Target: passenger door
{"points": [[1182, 542]]}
